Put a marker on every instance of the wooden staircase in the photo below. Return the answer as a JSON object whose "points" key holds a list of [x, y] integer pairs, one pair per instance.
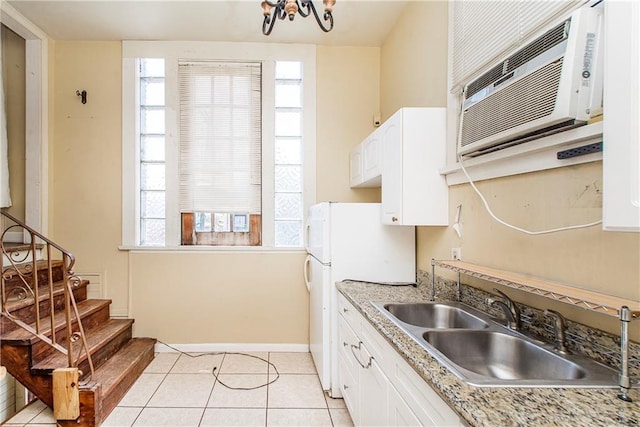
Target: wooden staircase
{"points": [[108, 359]]}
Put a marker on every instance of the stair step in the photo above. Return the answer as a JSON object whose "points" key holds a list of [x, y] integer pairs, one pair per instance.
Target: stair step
{"points": [[20, 252], [103, 342], [119, 373], [16, 247], [85, 309], [43, 294], [24, 309], [13, 279]]}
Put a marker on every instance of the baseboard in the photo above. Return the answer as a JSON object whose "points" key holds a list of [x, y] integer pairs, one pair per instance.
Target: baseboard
{"points": [[231, 348]]}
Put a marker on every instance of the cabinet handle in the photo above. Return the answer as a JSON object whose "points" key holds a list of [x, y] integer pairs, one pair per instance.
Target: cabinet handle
{"points": [[356, 357], [344, 343], [344, 310], [394, 219], [345, 386]]}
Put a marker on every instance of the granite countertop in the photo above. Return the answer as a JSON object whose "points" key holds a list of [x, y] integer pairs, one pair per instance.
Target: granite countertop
{"points": [[492, 406]]}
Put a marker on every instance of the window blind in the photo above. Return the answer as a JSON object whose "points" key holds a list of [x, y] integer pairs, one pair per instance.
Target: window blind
{"points": [[220, 137], [484, 31]]}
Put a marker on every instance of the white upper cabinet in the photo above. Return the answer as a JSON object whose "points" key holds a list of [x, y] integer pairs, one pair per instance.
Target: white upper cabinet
{"points": [[355, 166], [413, 148], [366, 162], [621, 167]]}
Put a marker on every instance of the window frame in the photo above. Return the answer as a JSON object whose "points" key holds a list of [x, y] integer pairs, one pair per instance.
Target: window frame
{"points": [[173, 52]]}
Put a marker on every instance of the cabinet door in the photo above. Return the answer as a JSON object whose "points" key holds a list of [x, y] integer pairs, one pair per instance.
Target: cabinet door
{"points": [[373, 391], [621, 157], [400, 414], [391, 136], [355, 166], [348, 366], [372, 158]]}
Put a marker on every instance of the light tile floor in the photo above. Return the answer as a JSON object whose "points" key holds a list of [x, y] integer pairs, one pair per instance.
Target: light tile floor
{"points": [[179, 390]]}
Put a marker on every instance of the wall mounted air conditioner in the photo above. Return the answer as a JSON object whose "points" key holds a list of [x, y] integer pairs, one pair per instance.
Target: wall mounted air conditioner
{"points": [[549, 85]]}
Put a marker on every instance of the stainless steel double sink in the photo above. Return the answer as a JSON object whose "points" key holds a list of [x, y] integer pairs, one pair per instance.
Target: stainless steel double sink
{"points": [[482, 352]]}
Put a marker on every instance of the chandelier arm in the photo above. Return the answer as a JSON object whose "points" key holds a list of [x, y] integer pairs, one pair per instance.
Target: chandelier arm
{"points": [[280, 12], [327, 17], [308, 4], [267, 25]]}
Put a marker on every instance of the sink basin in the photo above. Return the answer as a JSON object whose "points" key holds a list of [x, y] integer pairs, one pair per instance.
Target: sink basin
{"points": [[484, 353], [435, 315], [498, 355]]}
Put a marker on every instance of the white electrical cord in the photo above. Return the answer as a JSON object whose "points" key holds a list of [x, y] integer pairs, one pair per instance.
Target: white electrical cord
{"points": [[506, 224]]}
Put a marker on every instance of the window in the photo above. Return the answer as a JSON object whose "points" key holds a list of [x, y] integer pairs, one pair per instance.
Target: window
{"points": [[217, 153], [220, 152], [288, 158], [152, 157]]}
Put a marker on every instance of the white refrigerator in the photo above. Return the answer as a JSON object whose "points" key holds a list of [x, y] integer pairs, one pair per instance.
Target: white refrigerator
{"points": [[348, 241]]}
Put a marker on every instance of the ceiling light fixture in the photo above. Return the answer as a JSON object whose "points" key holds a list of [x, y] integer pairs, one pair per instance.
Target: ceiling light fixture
{"points": [[284, 8]]}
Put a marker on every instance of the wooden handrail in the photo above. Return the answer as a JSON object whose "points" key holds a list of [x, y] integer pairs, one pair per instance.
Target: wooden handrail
{"points": [[26, 269]]}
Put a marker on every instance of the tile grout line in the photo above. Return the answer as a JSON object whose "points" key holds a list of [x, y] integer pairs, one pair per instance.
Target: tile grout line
{"points": [[266, 404]]}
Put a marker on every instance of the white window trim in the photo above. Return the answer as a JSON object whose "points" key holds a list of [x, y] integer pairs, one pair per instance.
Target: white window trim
{"points": [[533, 156], [172, 52], [37, 118]]}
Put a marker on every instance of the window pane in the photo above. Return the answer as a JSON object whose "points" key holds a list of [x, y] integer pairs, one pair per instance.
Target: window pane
{"points": [[152, 148], [152, 92], [288, 233], [288, 123], [288, 70], [151, 120], [152, 204], [288, 179], [288, 95], [152, 67], [203, 222], [288, 151], [152, 177], [152, 232], [288, 206]]}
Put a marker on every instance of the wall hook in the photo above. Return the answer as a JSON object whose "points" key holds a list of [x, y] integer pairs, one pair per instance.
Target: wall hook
{"points": [[83, 95]]}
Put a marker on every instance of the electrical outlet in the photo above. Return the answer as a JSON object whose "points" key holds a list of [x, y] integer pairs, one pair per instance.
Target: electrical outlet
{"points": [[456, 254]]}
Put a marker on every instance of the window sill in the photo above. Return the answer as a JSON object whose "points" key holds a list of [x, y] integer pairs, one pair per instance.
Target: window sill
{"points": [[208, 249], [529, 157]]}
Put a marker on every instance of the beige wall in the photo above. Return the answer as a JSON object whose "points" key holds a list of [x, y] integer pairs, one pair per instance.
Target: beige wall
{"points": [[412, 56], [85, 192], [13, 76], [190, 297], [589, 258], [348, 97], [220, 297]]}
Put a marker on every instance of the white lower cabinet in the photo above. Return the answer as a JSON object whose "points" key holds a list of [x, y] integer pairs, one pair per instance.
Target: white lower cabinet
{"points": [[379, 387]]}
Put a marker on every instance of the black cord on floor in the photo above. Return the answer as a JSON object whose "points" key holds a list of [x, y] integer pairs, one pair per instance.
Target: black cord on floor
{"points": [[224, 353]]}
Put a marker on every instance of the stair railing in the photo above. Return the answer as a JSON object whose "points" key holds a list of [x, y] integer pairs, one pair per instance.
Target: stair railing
{"points": [[24, 267]]}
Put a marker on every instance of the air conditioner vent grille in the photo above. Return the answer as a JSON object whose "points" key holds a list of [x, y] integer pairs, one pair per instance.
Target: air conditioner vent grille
{"points": [[523, 101], [540, 45]]}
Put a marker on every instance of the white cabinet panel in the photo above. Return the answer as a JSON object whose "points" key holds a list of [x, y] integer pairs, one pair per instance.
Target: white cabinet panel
{"points": [[621, 157], [372, 159], [399, 412], [365, 162], [413, 191], [373, 392], [378, 386], [355, 166]]}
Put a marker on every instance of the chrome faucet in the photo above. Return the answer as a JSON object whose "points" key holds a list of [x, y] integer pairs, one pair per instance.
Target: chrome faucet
{"points": [[559, 327], [510, 309]]}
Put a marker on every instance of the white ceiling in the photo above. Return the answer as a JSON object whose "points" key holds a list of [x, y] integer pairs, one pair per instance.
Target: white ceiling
{"points": [[357, 22]]}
